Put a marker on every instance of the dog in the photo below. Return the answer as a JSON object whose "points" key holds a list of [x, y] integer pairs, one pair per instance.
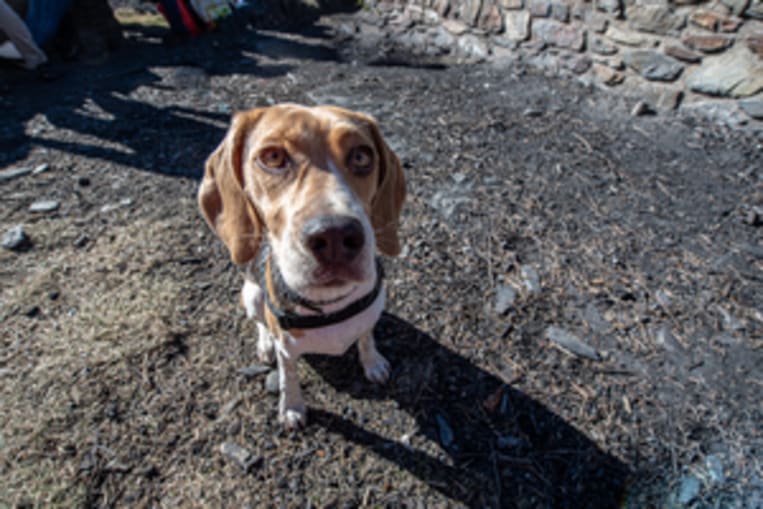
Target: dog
{"points": [[303, 197]]}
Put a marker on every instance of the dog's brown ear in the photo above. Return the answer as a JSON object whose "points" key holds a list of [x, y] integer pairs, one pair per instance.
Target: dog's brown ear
{"points": [[388, 200], [221, 195]]}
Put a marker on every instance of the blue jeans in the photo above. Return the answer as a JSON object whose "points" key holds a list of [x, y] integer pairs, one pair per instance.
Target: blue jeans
{"points": [[43, 18]]}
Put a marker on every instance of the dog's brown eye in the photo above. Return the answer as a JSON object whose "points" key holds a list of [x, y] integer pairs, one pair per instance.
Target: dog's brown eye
{"points": [[273, 159], [360, 160]]}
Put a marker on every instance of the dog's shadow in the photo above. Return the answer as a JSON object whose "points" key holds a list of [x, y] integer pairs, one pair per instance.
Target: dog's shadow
{"points": [[501, 447]]}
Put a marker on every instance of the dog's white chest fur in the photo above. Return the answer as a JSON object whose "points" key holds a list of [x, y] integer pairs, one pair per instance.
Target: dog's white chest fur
{"points": [[330, 340]]}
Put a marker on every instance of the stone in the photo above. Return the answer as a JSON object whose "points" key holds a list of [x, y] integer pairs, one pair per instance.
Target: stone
{"points": [[601, 46], [737, 7], [504, 299], [719, 111], [242, 457], [753, 107], [657, 19], [455, 27], [755, 9], [575, 62], [688, 490], [41, 169], [652, 65], [442, 38], [531, 279], [540, 8], [641, 108], [557, 34], [560, 11], [729, 25], [755, 43], [272, 382], [469, 11], [254, 370], [705, 19], [516, 25], [571, 343], [669, 99], [609, 6], [473, 47], [714, 467], [43, 206], [12, 173], [596, 21], [442, 7], [16, 239], [708, 43], [682, 54], [81, 241], [625, 36], [511, 4], [490, 19]]}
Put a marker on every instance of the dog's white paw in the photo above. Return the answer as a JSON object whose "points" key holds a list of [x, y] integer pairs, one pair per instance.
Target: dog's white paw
{"points": [[266, 351], [293, 418], [377, 369]]}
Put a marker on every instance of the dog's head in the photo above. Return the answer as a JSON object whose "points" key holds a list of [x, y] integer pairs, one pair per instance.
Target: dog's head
{"points": [[319, 184]]}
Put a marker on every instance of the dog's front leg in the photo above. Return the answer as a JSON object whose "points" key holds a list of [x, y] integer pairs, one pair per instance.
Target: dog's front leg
{"points": [[374, 364], [291, 407]]}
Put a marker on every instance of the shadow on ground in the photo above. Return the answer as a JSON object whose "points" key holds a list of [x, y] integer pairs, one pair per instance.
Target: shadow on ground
{"points": [[501, 447]]}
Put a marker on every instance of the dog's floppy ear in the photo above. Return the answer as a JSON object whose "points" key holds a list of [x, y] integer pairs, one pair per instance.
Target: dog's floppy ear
{"points": [[388, 200], [221, 195]]}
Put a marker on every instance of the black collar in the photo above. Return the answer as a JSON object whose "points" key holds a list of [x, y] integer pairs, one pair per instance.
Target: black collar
{"points": [[288, 320]]}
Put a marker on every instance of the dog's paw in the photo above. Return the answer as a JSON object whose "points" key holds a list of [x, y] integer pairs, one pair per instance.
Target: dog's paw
{"points": [[293, 418], [266, 351], [377, 369]]}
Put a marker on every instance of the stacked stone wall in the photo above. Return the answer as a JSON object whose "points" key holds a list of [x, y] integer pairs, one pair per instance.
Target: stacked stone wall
{"points": [[669, 52]]}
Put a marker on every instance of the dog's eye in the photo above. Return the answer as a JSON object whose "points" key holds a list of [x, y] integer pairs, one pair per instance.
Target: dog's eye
{"points": [[273, 159], [360, 160]]}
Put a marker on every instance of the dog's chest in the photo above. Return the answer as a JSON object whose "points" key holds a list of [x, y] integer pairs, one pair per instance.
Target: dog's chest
{"points": [[333, 339]]}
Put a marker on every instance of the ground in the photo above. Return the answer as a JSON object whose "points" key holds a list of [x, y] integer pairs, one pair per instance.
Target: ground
{"points": [[538, 210]]}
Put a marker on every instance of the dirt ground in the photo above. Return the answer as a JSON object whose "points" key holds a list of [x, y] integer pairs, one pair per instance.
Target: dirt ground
{"points": [[538, 210]]}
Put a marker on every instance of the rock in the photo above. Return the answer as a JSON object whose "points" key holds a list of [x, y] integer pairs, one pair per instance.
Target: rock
{"points": [[12, 173], [254, 370], [753, 107], [682, 54], [708, 43], [242, 457], [688, 490], [755, 9], [705, 19], [539, 8], [442, 7], [641, 108], [609, 6], [444, 431], [652, 65], [571, 343], [595, 321], [729, 24], [737, 73], [511, 4], [755, 44], [730, 322], [625, 37], [560, 11], [473, 47], [442, 38], [81, 241], [596, 21], [557, 34], [737, 7], [16, 239], [469, 10], [654, 18], [754, 216], [272, 382], [607, 75], [42, 168], [715, 469], [531, 279], [43, 206], [504, 299], [575, 63], [719, 111], [601, 46], [666, 340], [669, 99], [490, 19], [532, 112], [455, 27], [516, 25]]}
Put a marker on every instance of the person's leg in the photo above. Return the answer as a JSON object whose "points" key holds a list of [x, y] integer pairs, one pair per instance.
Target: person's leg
{"points": [[21, 39], [43, 18]]}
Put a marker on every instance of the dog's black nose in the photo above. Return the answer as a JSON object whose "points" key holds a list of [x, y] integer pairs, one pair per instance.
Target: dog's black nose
{"points": [[334, 240]]}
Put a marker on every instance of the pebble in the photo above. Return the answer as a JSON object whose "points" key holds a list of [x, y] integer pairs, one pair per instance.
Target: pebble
{"points": [[16, 239], [641, 108], [571, 343], [41, 169], [504, 299], [253, 370], [81, 241], [688, 490], [531, 279], [272, 382], [242, 457], [715, 468], [445, 431], [43, 206]]}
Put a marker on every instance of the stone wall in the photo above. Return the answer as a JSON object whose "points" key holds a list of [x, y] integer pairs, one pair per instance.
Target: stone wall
{"points": [[671, 53]]}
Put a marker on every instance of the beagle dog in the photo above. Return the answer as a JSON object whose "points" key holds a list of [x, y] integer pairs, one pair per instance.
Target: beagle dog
{"points": [[303, 197]]}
